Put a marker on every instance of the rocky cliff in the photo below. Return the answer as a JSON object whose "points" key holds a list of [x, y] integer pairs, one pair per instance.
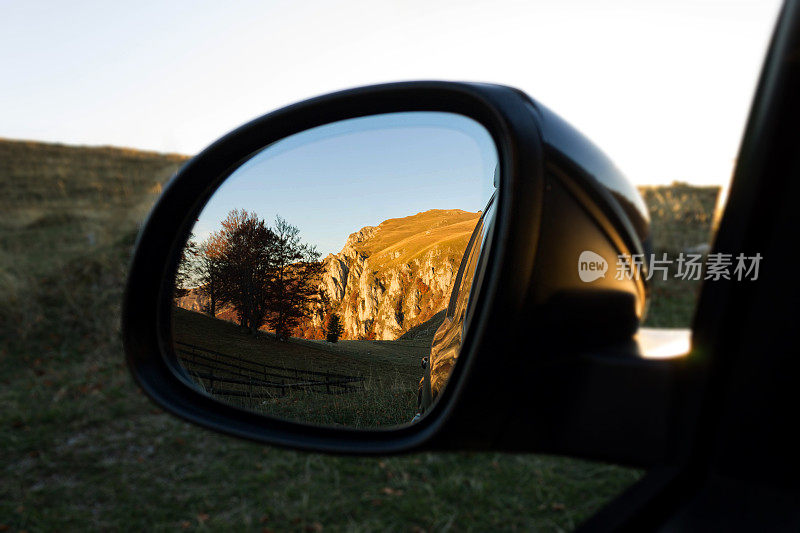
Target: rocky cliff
{"points": [[387, 279], [392, 277]]}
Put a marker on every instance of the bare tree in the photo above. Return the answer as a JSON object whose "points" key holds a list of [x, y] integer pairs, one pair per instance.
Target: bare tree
{"points": [[294, 287], [268, 276], [244, 266]]}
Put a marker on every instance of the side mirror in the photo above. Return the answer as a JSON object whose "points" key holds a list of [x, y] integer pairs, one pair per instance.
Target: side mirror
{"points": [[397, 267]]}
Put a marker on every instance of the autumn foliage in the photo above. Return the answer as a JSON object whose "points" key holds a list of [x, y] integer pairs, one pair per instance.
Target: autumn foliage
{"points": [[267, 275]]}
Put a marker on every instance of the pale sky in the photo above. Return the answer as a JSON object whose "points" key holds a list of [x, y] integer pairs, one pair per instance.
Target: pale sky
{"points": [[333, 180], [663, 87]]}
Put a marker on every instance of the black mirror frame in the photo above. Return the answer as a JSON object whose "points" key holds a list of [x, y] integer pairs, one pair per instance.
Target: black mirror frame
{"points": [[506, 113], [520, 385]]}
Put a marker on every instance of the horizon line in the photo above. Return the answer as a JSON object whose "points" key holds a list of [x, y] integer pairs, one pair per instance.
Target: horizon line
{"points": [[150, 151]]}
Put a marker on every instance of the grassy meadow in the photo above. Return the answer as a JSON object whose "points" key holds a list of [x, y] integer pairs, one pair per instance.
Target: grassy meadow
{"points": [[385, 374], [81, 448]]}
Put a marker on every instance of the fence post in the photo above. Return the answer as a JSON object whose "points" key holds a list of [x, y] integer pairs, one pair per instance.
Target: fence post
{"points": [[328, 381]]}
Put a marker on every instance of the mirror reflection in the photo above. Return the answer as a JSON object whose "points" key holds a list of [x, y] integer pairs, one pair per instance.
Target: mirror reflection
{"points": [[327, 280]]}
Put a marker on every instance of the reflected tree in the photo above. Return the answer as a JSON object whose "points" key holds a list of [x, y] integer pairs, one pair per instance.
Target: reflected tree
{"points": [[335, 328], [294, 286], [245, 266], [268, 276]]}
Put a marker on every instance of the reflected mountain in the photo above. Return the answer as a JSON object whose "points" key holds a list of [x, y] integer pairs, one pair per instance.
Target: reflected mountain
{"points": [[386, 281]]}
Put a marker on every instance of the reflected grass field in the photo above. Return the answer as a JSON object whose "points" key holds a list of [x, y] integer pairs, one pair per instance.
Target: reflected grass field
{"points": [[374, 382], [82, 448]]}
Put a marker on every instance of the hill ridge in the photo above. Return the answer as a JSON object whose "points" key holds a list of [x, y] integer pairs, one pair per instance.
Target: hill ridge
{"points": [[390, 278]]}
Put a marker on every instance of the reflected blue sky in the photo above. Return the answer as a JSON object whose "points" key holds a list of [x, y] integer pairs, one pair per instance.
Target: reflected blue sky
{"points": [[335, 179]]}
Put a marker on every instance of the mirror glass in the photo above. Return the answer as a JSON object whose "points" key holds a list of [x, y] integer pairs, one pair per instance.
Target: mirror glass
{"points": [[326, 280]]}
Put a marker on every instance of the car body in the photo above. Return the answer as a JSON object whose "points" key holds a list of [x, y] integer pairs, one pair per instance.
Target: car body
{"points": [[448, 337], [713, 427]]}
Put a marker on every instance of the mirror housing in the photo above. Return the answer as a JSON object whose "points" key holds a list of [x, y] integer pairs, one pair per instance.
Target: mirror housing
{"points": [[533, 317]]}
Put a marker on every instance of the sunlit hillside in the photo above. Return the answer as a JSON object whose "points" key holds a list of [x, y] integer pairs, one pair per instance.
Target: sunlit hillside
{"points": [[400, 240], [395, 276], [386, 280]]}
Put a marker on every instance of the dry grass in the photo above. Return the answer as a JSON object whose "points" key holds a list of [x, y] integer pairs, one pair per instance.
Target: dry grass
{"points": [[399, 241]]}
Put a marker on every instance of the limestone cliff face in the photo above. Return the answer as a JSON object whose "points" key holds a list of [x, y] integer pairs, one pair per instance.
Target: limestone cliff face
{"points": [[386, 279], [392, 277]]}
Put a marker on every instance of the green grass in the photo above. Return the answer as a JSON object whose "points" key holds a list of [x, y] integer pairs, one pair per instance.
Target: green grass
{"points": [[82, 449], [386, 395]]}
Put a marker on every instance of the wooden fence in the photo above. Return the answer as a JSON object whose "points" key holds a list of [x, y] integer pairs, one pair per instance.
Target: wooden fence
{"points": [[217, 372]]}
